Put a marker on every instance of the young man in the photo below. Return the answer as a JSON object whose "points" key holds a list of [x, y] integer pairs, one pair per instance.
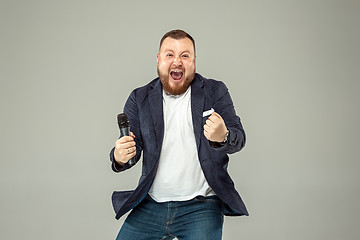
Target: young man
{"points": [[185, 126]]}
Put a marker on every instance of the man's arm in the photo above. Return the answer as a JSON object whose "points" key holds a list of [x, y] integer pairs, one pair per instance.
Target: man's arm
{"points": [[224, 123], [128, 147]]}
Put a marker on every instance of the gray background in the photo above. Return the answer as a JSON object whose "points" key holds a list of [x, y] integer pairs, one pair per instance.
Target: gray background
{"points": [[292, 68]]}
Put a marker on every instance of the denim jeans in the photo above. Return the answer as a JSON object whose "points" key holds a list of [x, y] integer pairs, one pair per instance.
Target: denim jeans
{"points": [[198, 219]]}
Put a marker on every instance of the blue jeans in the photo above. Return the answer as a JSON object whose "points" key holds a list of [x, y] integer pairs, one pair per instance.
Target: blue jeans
{"points": [[198, 219]]}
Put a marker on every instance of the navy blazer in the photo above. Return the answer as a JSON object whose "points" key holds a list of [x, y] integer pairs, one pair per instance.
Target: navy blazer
{"points": [[144, 108]]}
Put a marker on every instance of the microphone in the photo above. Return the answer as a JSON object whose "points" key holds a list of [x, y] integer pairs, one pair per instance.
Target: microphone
{"points": [[124, 127]]}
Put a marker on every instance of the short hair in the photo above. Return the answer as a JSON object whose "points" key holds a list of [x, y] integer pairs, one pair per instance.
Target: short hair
{"points": [[177, 34]]}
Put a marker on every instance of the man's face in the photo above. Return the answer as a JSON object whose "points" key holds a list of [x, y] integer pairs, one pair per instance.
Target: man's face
{"points": [[176, 65]]}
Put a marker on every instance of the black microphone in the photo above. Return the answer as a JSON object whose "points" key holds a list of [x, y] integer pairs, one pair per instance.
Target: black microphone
{"points": [[124, 127]]}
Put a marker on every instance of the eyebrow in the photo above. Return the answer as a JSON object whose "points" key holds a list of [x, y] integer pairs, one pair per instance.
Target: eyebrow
{"points": [[186, 51]]}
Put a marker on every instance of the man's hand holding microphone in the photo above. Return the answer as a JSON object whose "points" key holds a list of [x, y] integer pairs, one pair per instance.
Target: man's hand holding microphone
{"points": [[125, 149], [125, 146]]}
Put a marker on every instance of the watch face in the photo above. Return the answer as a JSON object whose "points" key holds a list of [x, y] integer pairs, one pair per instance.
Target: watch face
{"points": [[226, 136]]}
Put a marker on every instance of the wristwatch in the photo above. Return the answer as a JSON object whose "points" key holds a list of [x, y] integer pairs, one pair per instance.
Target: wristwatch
{"points": [[226, 138]]}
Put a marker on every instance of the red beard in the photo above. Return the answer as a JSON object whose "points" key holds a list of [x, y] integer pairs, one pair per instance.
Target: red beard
{"points": [[175, 90]]}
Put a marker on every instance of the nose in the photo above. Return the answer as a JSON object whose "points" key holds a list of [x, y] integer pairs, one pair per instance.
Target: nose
{"points": [[177, 62]]}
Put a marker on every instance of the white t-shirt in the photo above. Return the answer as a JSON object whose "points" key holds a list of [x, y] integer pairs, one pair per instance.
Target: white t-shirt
{"points": [[179, 175]]}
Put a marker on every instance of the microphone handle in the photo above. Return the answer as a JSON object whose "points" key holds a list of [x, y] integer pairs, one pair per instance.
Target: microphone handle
{"points": [[125, 131]]}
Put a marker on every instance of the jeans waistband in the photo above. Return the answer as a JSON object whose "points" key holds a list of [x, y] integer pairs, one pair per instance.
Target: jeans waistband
{"points": [[199, 197]]}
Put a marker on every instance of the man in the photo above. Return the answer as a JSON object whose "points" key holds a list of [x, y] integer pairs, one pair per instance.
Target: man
{"points": [[184, 125]]}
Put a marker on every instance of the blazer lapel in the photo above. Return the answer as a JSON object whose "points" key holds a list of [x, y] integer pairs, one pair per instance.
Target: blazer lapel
{"points": [[156, 109], [197, 107]]}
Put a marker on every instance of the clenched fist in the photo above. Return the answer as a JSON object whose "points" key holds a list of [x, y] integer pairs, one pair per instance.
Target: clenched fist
{"points": [[215, 129], [125, 149]]}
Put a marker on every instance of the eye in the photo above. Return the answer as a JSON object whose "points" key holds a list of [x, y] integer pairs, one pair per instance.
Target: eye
{"points": [[185, 55], [169, 55]]}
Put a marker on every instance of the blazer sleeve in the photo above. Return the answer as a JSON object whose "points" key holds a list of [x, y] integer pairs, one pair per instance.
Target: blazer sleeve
{"points": [[223, 104]]}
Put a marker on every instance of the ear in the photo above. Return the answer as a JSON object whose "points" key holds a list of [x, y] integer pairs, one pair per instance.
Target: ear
{"points": [[157, 58]]}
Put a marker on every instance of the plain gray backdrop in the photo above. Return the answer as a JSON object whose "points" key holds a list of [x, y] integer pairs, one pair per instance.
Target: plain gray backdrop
{"points": [[292, 69]]}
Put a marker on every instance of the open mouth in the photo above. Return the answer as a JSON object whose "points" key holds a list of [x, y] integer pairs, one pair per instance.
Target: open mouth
{"points": [[176, 75]]}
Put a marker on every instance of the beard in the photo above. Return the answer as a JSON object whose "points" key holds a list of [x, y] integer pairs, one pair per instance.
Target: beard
{"points": [[178, 89]]}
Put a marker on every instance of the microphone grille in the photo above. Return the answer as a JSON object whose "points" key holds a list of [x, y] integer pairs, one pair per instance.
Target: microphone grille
{"points": [[123, 120]]}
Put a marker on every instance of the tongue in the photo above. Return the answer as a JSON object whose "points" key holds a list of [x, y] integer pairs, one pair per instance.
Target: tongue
{"points": [[176, 75]]}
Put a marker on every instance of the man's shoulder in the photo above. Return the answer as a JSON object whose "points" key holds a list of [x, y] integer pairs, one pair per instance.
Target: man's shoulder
{"points": [[153, 83], [212, 85], [144, 90]]}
